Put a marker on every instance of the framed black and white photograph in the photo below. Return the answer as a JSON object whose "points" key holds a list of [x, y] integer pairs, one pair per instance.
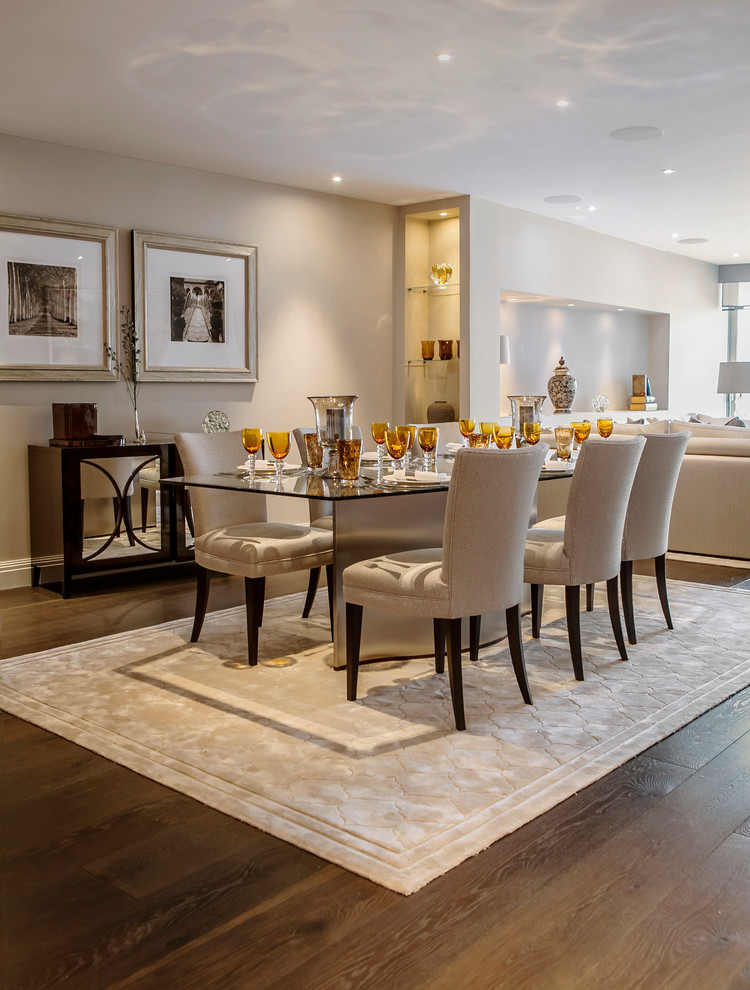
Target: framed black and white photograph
{"points": [[58, 300], [196, 308]]}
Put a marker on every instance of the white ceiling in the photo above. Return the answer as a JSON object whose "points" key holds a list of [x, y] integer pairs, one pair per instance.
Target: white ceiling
{"points": [[294, 91]]}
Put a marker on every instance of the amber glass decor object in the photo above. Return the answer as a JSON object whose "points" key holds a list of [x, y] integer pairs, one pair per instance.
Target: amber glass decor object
{"points": [[532, 433], [479, 440], [503, 437], [349, 452], [313, 451], [564, 437], [428, 350], [604, 426]]}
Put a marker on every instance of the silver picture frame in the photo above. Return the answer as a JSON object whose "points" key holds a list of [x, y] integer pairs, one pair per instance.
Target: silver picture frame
{"points": [[195, 303], [58, 300]]}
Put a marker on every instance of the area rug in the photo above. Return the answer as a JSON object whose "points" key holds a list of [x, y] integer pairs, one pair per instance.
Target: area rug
{"points": [[384, 787]]}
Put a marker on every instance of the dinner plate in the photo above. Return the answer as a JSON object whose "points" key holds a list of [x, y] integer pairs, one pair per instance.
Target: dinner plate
{"points": [[414, 483]]}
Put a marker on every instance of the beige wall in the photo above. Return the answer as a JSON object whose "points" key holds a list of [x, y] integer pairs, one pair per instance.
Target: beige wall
{"points": [[324, 301]]}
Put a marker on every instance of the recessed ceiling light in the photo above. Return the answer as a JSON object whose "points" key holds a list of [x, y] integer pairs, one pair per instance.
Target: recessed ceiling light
{"points": [[80, 257], [443, 56], [675, 236], [562, 199], [571, 304], [736, 254], [636, 133], [443, 214], [513, 299], [668, 171], [620, 309], [337, 178], [591, 209], [562, 103], [693, 240]]}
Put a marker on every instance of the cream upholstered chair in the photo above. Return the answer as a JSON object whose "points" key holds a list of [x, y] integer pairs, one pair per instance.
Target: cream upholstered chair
{"points": [[233, 536], [588, 548], [646, 531], [478, 570]]}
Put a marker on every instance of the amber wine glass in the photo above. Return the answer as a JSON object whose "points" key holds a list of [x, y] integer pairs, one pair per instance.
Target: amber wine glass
{"points": [[396, 443], [428, 440], [532, 433], [488, 428], [252, 440], [379, 431], [604, 426], [581, 431], [503, 437], [466, 426], [411, 431], [278, 444]]}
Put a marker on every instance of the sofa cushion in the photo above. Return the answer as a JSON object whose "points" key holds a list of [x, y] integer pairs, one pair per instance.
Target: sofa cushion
{"points": [[635, 429], [720, 446], [709, 430]]}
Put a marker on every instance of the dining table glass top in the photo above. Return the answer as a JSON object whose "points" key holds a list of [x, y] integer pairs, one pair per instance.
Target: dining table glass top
{"points": [[301, 483]]}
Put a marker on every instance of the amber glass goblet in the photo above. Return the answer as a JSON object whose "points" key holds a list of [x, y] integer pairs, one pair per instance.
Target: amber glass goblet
{"points": [[412, 432], [604, 426], [581, 431], [396, 443], [278, 444], [487, 428], [379, 431], [503, 437], [252, 440], [466, 426], [428, 440], [532, 433]]}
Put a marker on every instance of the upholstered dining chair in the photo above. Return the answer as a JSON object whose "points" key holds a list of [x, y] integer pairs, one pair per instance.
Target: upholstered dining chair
{"points": [[646, 531], [233, 535], [587, 548], [479, 568]]}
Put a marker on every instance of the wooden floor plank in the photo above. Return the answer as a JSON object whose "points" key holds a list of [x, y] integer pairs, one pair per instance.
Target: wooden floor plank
{"points": [[699, 741]]}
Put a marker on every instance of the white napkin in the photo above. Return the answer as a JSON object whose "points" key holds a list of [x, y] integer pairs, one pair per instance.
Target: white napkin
{"points": [[396, 476], [259, 466], [435, 476], [453, 446]]}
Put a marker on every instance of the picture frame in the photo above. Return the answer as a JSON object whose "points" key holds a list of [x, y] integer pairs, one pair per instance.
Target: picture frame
{"points": [[58, 300], [195, 303]]}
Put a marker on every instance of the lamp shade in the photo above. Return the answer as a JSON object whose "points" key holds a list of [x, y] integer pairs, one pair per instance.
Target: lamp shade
{"points": [[504, 348], [734, 377]]}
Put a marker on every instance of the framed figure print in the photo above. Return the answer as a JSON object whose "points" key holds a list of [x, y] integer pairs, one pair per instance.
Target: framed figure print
{"points": [[58, 300], [196, 308]]}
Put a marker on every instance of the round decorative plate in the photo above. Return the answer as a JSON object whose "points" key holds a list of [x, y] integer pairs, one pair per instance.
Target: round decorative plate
{"points": [[215, 422]]}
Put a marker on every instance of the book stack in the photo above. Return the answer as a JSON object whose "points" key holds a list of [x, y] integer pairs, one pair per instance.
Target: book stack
{"points": [[642, 398]]}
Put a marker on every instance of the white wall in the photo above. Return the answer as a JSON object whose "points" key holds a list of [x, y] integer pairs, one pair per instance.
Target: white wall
{"points": [[528, 253], [324, 301]]}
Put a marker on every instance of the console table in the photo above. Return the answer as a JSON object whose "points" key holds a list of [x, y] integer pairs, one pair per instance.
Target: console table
{"points": [[63, 479]]}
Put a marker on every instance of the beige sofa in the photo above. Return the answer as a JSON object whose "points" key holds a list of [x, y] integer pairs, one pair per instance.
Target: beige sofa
{"points": [[711, 510]]}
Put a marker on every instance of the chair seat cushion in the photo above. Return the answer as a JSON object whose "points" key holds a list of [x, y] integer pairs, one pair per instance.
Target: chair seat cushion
{"points": [[544, 561], [263, 549], [410, 583]]}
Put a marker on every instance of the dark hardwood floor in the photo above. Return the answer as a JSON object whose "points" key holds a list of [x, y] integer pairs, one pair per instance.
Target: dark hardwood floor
{"points": [[641, 880]]}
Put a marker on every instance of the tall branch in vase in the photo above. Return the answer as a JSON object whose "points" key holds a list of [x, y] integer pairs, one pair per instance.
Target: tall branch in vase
{"points": [[128, 363]]}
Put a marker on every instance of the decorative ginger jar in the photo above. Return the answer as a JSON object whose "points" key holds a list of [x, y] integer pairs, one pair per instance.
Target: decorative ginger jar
{"points": [[562, 388]]}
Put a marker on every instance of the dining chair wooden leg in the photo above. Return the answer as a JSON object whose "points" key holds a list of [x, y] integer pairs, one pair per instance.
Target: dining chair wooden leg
{"points": [[329, 590], [353, 636], [513, 624], [537, 597], [475, 629], [572, 608], [312, 588], [614, 616], [455, 674], [438, 632], [626, 593], [255, 593], [589, 597], [201, 602], [660, 568]]}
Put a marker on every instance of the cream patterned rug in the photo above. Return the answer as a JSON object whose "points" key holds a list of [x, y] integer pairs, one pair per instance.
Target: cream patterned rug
{"points": [[384, 787]]}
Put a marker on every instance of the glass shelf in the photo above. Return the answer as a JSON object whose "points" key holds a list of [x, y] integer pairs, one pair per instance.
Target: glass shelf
{"points": [[449, 289], [420, 362]]}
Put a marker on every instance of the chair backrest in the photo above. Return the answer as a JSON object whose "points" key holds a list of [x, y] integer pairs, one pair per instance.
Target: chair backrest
{"points": [[211, 453], [646, 529], [597, 504], [486, 521]]}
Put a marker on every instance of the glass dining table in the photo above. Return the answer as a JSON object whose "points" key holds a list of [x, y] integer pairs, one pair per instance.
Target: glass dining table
{"points": [[368, 520]]}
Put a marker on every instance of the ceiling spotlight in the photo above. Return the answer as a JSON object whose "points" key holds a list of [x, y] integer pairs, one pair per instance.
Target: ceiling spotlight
{"points": [[444, 214], [591, 209], [337, 178], [562, 103], [668, 171], [443, 56]]}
